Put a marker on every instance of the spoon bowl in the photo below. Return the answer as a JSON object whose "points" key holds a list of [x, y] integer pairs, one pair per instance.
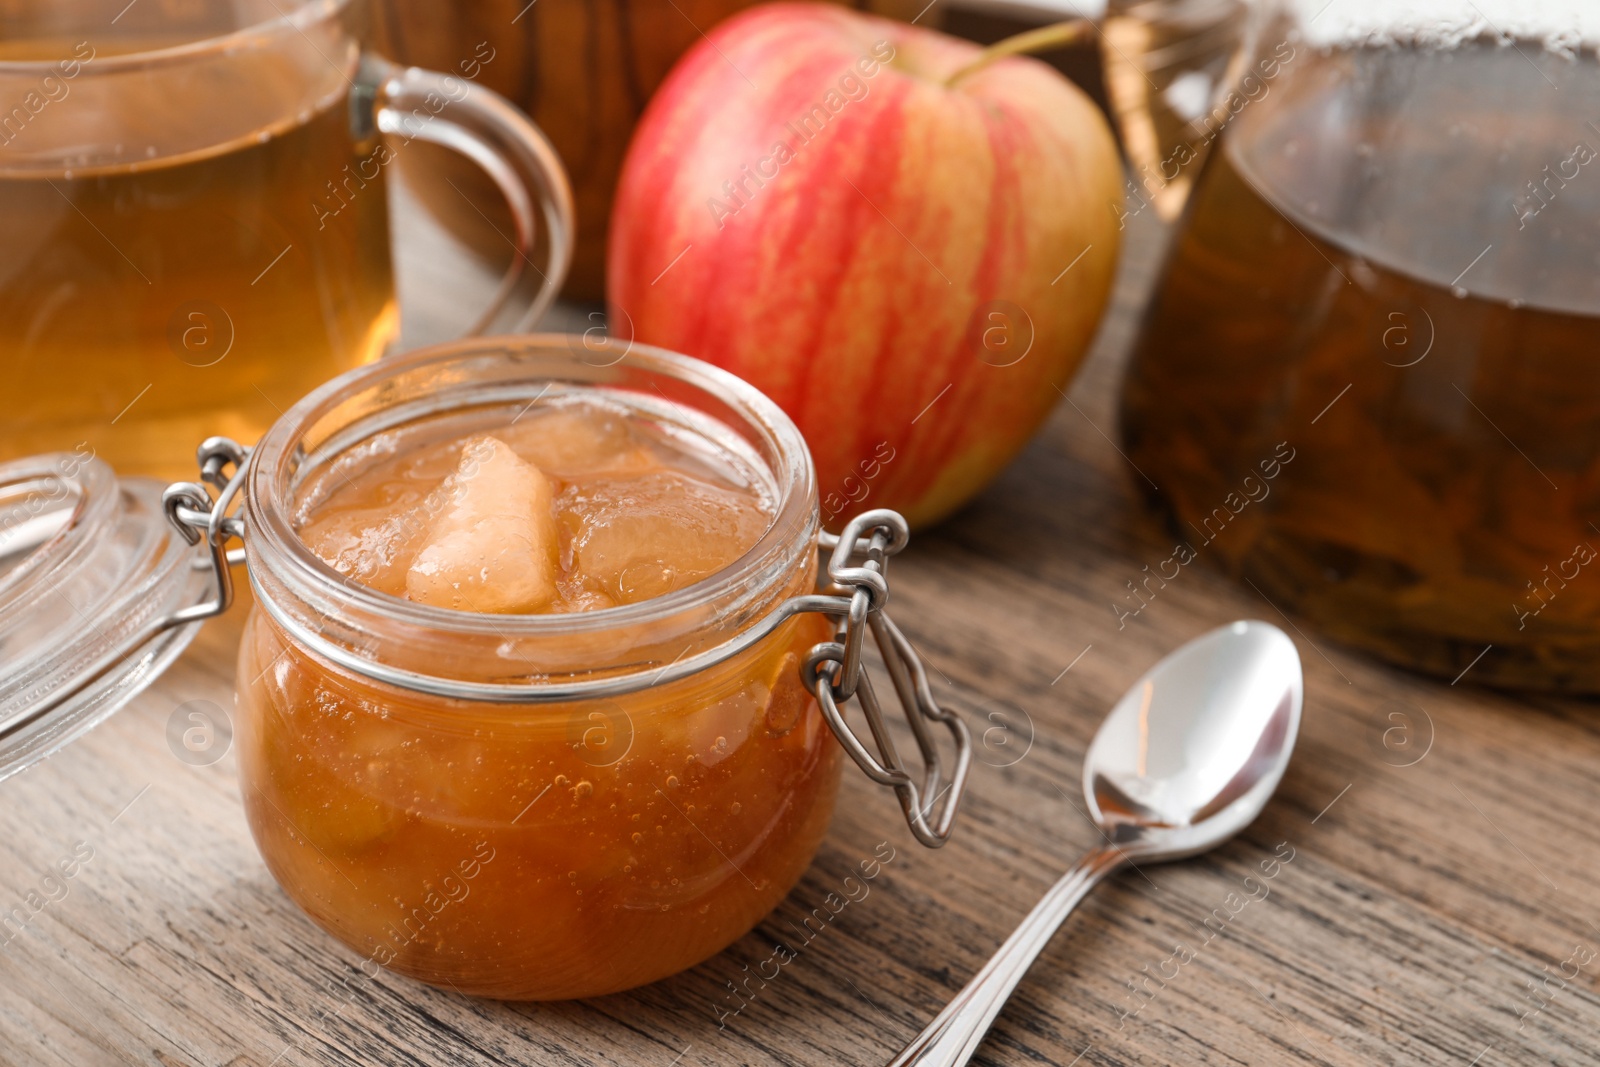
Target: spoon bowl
{"points": [[1186, 759], [1191, 753]]}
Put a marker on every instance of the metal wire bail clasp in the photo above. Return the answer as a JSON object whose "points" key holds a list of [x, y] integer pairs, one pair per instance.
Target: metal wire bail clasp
{"points": [[833, 671], [191, 509]]}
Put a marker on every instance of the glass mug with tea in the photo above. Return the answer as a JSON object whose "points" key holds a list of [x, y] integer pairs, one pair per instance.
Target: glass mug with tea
{"points": [[1366, 379], [194, 225]]}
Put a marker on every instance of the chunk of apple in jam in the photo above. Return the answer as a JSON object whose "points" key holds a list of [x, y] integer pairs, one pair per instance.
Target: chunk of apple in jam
{"points": [[573, 441], [492, 548], [641, 537]]}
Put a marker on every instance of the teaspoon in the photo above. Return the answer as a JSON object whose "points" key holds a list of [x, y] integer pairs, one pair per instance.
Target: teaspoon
{"points": [[1187, 758]]}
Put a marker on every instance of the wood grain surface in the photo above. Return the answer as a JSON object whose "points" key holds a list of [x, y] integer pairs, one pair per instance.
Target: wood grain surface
{"points": [[1439, 907]]}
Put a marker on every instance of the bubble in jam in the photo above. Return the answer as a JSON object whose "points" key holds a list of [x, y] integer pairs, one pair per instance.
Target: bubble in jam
{"points": [[571, 507]]}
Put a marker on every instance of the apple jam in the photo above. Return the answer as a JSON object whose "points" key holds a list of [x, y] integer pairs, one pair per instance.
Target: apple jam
{"points": [[532, 850], [572, 508]]}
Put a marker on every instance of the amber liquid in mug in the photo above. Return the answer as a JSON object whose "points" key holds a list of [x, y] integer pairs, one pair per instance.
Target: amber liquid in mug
{"points": [[150, 301], [1409, 238], [548, 851]]}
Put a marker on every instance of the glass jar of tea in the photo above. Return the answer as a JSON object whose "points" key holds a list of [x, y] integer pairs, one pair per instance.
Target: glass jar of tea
{"points": [[194, 219], [1365, 382], [542, 692]]}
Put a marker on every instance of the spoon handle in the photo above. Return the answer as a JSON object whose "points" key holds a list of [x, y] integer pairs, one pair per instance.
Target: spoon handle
{"points": [[955, 1033]]}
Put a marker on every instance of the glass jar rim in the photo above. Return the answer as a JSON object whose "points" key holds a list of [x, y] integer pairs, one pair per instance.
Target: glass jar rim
{"points": [[1442, 25], [269, 496], [306, 14]]}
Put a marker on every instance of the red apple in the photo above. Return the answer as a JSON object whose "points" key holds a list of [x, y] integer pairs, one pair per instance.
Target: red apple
{"points": [[911, 269]]}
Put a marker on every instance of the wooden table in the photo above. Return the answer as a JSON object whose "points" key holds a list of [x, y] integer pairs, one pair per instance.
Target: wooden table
{"points": [[1427, 909]]}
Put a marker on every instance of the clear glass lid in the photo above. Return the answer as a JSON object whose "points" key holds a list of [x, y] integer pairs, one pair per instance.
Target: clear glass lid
{"points": [[92, 575]]}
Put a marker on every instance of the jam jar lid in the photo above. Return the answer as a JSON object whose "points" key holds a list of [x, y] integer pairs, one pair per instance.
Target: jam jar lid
{"points": [[97, 591]]}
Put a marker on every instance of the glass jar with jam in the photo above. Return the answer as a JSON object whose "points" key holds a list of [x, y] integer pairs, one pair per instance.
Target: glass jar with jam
{"points": [[541, 695]]}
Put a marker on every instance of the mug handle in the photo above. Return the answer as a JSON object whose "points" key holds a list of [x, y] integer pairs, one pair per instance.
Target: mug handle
{"points": [[491, 131]]}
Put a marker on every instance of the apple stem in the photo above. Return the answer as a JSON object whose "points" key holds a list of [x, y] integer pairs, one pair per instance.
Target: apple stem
{"points": [[1042, 39]]}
